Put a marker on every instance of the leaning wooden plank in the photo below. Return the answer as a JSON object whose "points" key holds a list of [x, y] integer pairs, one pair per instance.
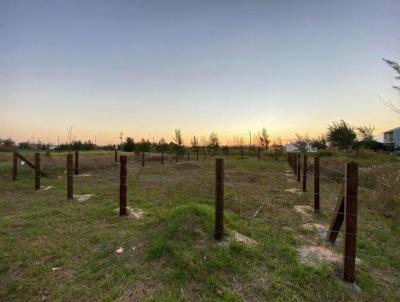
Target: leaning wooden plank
{"points": [[337, 219], [29, 163]]}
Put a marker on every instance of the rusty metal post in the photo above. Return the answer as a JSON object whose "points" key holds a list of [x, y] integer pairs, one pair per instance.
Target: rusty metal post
{"points": [[70, 178], [37, 171], [350, 210], [142, 159], [122, 184], [162, 157], [298, 167], [316, 184], [76, 162], [15, 165], [305, 164], [219, 198]]}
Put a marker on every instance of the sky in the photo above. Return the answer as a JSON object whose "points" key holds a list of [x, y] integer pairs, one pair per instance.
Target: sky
{"points": [[147, 67]]}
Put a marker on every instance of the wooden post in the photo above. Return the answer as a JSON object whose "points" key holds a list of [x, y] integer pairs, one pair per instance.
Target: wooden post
{"points": [[142, 159], [70, 178], [37, 171], [122, 184], [316, 184], [350, 209], [116, 155], [305, 164], [162, 157], [76, 162], [337, 219], [15, 165], [219, 198], [298, 167]]}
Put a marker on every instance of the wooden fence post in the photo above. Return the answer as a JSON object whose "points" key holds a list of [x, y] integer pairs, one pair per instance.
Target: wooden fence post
{"points": [[316, 184], [76, 162], [70, 178], [116, 155], [122, 184], [219, 198], [305, 164], [298, 167], [350, 210], [37, 171], [15, 165], [142, 159]]}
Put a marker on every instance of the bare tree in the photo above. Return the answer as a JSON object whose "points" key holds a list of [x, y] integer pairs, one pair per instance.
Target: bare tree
{"points": [[195, 143], [394, 106], [264, 139], [178, 137]]}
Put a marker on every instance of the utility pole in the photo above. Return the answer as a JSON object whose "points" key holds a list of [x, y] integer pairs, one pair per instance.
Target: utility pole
{"points": [[121, 134], [250, 137]]}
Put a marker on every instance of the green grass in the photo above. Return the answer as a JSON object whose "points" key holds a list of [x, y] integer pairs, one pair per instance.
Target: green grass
{"points": [[175, 256]]}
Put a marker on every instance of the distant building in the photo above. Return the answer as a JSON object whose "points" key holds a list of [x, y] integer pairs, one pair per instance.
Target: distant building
{"points": [[391, 138], [292, 148]]}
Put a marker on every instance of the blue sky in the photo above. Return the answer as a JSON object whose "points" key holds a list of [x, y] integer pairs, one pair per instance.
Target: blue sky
{"points": [[148, 67]]}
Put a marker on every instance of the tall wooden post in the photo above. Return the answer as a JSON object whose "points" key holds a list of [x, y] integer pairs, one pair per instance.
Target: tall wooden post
{"points": [[70, 177], [219, 198], [350, 210], [316, 184], [116, 155], [305, 164], [122, 184], [37, 171], [142, 159], [15, 165], [298, 167], [76, 162]]}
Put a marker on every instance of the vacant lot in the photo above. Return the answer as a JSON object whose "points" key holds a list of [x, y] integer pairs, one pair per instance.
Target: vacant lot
{"points": [[54, 249]]}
